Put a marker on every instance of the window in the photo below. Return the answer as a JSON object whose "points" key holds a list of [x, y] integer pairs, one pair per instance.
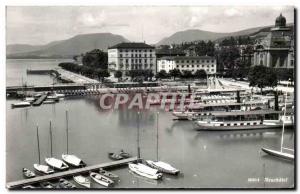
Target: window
{"points": [[197, 61], [126, 60], [145, 55], [177, 66], [212, 70], [198, 66], [182, 61], [163, 66], [207, 61], [212, 61], [192, 61], [177, 61], [187, 66], [202, 61], [193, 66], [150, 55], [132, 55], [126, 50], [187, 61], [203, 66], [145, 60], [140, 55], [120, 50], [120, 55]]}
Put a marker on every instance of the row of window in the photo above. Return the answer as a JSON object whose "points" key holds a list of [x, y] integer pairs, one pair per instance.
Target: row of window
{"points": [[136, 66], [148, 50], [135, 60], [136, 55], [194, 61], [192, 66]]}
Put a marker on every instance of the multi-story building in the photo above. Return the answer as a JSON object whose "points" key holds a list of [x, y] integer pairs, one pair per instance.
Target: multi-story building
{"points": [[207, 63], [131, 56], [277, 48]]}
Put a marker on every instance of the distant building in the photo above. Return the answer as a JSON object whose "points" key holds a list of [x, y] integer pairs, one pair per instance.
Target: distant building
{"points": [[209, 64], [131, 56], [277, 48]]}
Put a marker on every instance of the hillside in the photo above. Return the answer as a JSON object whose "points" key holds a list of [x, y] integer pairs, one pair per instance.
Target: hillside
{"points": [[66, 48]]}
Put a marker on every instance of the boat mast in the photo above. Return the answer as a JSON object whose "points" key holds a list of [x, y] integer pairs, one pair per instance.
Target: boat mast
{"points": [[67, 130], [284, 113], [38, 142], [138, 135], [51, 139], [157, 136]]}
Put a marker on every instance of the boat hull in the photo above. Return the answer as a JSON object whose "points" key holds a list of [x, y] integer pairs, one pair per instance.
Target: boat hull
{"points": [[161, 169], [103, 181], [53, 163], [83, 181], [278, 154], [133, 168], [43, 169]]}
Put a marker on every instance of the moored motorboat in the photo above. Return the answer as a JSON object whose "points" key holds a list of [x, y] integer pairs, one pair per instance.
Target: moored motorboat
{"points": [[114, 156], [47, 185], [162, 167], [145, 171], [108, 174], [64, 184], [102, 180], [56, 163], [20, 104], [83, 181], [43, 169], [28, 173], [73, 160]]}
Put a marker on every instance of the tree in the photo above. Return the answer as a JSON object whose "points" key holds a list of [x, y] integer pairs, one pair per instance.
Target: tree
{"points": [[118, 74], [175, 73], [162, 74], [102, 73], [201, 74], [187, 74], [261, 76], [95, 58]]}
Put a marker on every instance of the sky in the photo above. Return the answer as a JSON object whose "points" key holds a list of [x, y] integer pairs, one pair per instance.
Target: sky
{"points": [[40, 25]]}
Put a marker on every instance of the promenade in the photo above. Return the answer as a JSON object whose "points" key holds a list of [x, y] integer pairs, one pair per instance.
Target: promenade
{"points": [[74, 77]]}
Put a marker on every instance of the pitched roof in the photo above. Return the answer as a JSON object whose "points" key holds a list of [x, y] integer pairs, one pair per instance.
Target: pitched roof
{"points": [[187, 57], [131, 45]]}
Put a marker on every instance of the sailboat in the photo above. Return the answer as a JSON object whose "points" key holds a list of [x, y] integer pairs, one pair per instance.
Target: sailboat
{"points": [[70, 158], [159, 165], [54, 162], [39, 167], [280, 153], [142, 169]]}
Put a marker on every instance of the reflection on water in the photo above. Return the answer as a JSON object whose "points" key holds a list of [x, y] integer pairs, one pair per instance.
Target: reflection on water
{"points": [[206, 159]]}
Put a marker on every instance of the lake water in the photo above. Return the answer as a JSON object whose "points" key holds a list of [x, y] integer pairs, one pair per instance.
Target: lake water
{"points": [[206, 159]]}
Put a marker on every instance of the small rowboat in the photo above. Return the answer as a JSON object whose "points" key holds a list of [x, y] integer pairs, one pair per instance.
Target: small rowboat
{"points": [[28, 173], [56, 163], [124, 154], [29, 187], [20, 104], [47, 185], [114, 156], [83, 181], [64, 184], [43, 168], [102, 180], [108, 174], [162, 167]]}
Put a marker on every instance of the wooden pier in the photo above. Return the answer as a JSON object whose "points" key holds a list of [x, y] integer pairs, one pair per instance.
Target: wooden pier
{"points": [[69, 173], [39, 101]]}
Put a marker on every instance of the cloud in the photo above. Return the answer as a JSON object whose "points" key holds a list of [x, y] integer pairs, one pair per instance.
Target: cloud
{"points": [[40, 25]]}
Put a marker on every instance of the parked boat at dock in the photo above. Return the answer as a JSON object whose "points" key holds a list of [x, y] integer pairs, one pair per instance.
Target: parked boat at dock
{"points": [[115, 156], [47, 185], [83, 181], [124, 154], [102, 180], [108, 174], [43, 168], [162, 167], [145, 171], [20, 104], [71, 159], [65, 184], [28, 173]]}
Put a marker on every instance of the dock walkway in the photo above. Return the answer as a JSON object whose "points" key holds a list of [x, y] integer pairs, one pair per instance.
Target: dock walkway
{"points": [[20, 183]]}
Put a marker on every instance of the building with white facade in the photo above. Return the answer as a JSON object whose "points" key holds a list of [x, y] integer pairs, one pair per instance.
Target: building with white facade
{"points": [[131, 56], [190, 63]]}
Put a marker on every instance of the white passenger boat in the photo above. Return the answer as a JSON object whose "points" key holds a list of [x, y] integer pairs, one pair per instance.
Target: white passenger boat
{"points": [[73, 160], [43, 169], [20, 104], [162, 167], [218, 125], [102, 180], [83, 181], [56, 163], [145, 171], [29, 99]]}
